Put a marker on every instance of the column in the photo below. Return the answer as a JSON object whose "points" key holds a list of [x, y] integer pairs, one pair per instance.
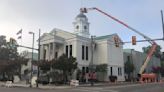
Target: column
{"points": [[54, 50], [41, 52], [47, 52], [68, 50]]}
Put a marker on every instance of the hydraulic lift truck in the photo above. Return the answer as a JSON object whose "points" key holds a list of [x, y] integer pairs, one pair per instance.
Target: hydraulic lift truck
{"points": [[143, 76]]}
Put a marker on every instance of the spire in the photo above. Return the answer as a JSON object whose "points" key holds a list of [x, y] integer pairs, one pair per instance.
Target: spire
{"points": [[81, 25]]}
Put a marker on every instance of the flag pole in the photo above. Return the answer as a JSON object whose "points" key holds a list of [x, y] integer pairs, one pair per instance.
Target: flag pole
{"points": [[21, 41], [162, 23], [21, 37]]}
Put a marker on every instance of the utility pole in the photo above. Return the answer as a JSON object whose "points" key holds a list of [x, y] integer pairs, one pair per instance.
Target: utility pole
{"points": [[132, 62], [37, 85], [162, 23], [91, 64], [33, 34]]}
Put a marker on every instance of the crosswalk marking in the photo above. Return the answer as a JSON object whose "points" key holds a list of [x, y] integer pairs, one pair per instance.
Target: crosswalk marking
{"points": [[94, 89], [122, 86], [108, 88], [109, 91], [86, 90], [130, 85]]}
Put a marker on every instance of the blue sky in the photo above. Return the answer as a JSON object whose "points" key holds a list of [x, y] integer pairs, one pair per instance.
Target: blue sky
{"points": [[30, 15]]}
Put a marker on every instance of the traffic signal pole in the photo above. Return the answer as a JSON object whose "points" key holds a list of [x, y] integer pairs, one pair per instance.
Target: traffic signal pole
{"points": [[143, 40], [162, 23], [38, 72], [26, 47]]}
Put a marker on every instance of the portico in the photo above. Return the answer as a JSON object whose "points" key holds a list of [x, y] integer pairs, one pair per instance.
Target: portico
{"points": [[50, 46]]}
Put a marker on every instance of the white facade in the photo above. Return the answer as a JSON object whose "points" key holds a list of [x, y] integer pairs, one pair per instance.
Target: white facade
{"points": [[78, 44]]}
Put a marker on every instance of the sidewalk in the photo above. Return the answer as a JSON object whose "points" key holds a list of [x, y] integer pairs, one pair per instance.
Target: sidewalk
{"points": [[86, 85], [50, 86], [54, 86], [3, 84], [23, 85], [108, 84]]}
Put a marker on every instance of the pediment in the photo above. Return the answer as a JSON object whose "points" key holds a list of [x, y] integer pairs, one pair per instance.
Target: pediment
{"points": [[49, 38], [46, 36]]}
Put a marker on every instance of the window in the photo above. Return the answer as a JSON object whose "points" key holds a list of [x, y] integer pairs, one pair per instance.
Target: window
{"points": [[85, 27], [70, 52], [66, 50], [87, 69], [111, 71], [44, 55], [86, 52], [119, 71], [83, 70], [56, 54], [128, 58], [77, 27], [82, 52]]}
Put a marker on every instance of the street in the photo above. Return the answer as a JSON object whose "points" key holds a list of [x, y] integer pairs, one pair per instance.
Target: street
{"points": [[155, 87]]}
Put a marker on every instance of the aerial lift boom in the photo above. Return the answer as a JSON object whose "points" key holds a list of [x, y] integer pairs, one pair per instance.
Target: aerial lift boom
{"points": [[153, 43]]}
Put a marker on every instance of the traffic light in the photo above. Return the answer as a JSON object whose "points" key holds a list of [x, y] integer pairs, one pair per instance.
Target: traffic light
{"points": [[116, 41], [133, 40]]}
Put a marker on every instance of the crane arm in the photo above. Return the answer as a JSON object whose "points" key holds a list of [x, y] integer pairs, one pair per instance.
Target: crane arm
{"points": [[149, 55], [85, 10], [154, 45]]}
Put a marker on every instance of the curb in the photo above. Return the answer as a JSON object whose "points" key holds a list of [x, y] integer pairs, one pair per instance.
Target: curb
{"points": [[54, 87], [106, 84]]}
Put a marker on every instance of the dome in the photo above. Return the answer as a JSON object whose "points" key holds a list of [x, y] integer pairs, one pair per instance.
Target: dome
{"points": [[81, 15]]}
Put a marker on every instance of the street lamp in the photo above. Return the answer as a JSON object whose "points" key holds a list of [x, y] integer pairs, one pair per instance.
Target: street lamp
{"points": [[92, 68], [92, 50], [33, 34]]}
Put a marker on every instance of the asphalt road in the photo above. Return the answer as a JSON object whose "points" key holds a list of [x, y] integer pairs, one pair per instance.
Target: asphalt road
{"points": [[156, 87]]}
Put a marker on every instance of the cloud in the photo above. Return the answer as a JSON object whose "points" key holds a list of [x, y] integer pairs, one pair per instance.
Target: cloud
{"points": [[30, 15]]}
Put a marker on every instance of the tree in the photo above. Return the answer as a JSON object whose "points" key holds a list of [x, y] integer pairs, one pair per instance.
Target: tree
{"points": [[8, 51], [102, 68], [44, 65], [66, 65], [63, 65], [156, 69], [10, 61], [157, 52], [129, 68]]}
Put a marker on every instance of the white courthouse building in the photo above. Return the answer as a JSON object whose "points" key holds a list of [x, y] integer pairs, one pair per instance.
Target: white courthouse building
{"points": [[78, 45]]}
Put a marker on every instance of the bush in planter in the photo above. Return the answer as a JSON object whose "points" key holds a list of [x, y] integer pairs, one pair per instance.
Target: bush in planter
{"points": [[113, 78]]}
